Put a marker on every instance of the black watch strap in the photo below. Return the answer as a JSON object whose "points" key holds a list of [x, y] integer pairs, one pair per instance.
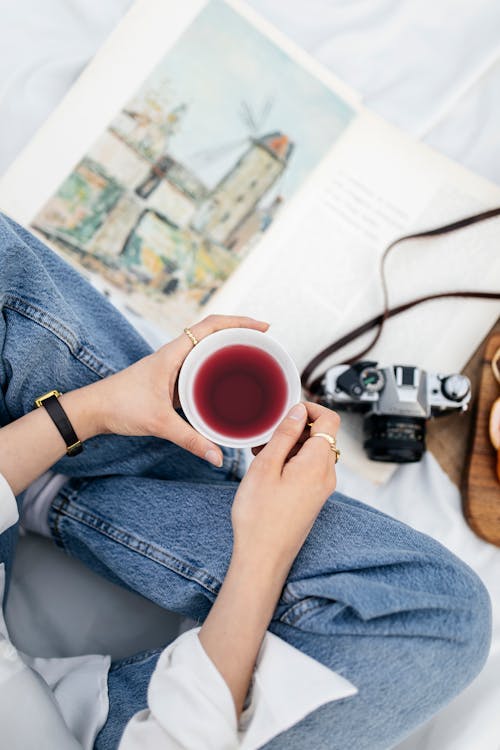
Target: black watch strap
{"points": [[55, 411]]}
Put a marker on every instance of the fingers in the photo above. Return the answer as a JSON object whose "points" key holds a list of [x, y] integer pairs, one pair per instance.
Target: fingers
{"points": [[316, 454], [214, 323], [322, 417], [285, 437], [218, 322], [305, 434], [182, 434]]}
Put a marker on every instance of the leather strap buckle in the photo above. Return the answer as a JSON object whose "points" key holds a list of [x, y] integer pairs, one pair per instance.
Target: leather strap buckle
{"points": [[50, 401]]}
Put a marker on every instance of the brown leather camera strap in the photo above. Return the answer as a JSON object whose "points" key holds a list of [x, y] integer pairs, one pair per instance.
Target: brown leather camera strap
{"points": [[378, 321]]}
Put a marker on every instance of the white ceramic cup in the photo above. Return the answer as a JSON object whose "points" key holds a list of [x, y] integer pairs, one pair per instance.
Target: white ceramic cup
{"points": [[219, 340]]}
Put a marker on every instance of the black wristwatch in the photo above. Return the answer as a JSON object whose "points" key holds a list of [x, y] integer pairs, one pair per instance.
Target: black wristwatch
{"points": [[55, 411]]}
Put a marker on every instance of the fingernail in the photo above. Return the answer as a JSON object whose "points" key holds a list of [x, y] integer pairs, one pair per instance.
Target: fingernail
{"points": [[214, 458], [297, 412]]}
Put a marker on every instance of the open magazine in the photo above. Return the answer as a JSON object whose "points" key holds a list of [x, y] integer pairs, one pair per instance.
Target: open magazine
{"points": [[203, 163]]}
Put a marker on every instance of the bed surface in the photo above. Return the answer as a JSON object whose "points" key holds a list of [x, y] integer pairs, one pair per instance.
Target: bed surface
{"points": [[431, 68]]}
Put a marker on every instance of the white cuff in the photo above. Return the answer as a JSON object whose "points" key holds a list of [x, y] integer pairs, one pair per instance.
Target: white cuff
{"points": [[190, 705], [8, 506], [197, 681], [287, 686]]}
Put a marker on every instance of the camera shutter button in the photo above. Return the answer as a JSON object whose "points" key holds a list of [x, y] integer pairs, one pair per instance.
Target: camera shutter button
{"points": [[455, 387]]}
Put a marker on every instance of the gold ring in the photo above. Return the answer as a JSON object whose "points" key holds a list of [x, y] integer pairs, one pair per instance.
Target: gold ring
{"points": [[331, 440], [191, 335]]}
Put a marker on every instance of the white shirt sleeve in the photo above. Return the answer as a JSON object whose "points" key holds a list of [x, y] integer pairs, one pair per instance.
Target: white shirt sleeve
{"points": [[190, 706], [8, 506], [29, 716]]}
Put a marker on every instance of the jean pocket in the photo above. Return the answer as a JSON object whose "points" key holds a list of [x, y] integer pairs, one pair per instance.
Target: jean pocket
{"points": [[68, 335]]}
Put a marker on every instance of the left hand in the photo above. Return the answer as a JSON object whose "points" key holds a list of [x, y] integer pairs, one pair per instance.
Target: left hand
{"points": [[141, 399]]}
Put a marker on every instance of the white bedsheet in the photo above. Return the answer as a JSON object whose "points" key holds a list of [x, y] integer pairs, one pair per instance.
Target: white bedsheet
{"points": [[432, 68]]}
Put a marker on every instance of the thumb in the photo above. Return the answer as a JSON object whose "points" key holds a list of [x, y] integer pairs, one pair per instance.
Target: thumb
{"points": [[285, 437], [181, 433]]}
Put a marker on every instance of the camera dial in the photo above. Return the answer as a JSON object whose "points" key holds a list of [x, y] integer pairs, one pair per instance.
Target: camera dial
{"points": [[455, 387], [372, 379]]}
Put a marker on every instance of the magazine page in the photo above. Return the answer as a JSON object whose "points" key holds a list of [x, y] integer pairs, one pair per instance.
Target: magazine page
{"points": [[179, 147], [316, 277]]}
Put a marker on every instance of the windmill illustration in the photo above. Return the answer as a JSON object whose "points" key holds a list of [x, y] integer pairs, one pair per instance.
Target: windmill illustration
{"points": [[234, 199], [234, 208]]}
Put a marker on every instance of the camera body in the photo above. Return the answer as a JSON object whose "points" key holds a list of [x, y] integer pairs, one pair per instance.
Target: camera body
{"points": [[397, 402]]}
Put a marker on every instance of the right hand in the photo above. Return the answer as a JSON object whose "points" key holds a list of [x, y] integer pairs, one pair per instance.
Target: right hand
{"points": [[280, 497]]}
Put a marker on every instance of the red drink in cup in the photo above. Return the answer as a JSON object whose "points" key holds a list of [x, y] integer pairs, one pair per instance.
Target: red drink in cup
{"points": [[236, 385]]}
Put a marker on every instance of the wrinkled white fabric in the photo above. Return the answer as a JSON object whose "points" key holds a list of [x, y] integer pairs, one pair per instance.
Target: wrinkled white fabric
{"points": [[8, 506], [430, 68], [44, 47], [37, 500], [67, 698]]}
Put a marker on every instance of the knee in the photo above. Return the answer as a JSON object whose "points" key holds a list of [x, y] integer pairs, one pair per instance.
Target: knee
{"points": [[473, 635], [458, 627]]}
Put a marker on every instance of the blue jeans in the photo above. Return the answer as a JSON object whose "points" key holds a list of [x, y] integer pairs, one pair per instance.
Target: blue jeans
{"points": [[391, 609]]}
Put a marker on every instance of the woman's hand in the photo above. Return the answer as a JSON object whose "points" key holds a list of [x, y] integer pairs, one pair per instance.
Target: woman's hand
{"points": [[141, 399], [273, 511], [280, 496]]}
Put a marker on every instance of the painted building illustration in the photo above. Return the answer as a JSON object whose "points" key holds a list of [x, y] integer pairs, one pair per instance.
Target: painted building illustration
{"points": [[133, 212], [239, 192], [194, 168]]}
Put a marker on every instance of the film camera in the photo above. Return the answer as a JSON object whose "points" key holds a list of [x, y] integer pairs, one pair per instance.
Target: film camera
{"points": [[397, 402]]}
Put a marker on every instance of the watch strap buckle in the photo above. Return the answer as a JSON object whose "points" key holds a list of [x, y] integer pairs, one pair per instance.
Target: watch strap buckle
{"points": [[39, 401]]}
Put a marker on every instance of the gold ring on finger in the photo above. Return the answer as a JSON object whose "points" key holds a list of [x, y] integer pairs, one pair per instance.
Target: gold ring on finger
{"points": [[331, 440], [191, 336]]}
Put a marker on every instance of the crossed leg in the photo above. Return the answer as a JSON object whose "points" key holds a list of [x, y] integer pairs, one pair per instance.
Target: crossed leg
{"points": [[389, 608], [369, 597]]}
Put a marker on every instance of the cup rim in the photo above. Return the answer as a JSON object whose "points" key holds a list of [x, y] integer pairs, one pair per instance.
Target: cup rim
{"points": [[212, 343]]}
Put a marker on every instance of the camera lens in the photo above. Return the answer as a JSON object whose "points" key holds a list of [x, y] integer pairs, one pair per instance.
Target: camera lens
{"points": [[394, 438]]}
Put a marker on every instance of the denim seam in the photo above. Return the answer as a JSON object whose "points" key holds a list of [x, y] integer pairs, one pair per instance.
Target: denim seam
{"points": [[303, 607], [58, 329], [135, 659], [56, 512], [70, 509], [294, 621], [287, 594], [54, 524]]}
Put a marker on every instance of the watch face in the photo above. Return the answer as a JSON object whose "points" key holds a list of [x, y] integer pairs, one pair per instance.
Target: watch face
{"points": [[372, 379]]}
